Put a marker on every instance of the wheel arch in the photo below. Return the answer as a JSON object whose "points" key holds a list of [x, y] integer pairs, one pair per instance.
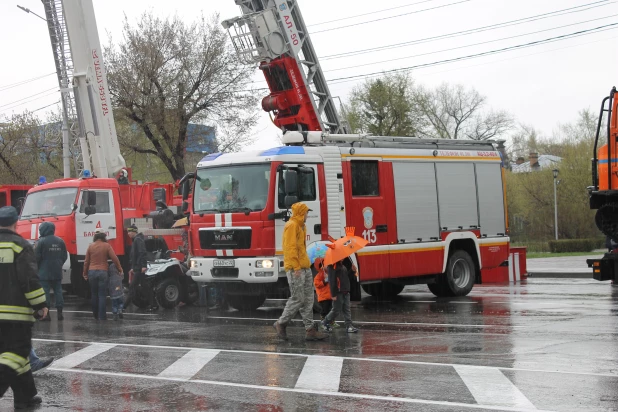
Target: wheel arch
{"points": [[467, 242]]}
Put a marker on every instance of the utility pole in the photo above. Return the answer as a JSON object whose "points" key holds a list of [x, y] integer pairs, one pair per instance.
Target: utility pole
{"points": [[555, 171]]}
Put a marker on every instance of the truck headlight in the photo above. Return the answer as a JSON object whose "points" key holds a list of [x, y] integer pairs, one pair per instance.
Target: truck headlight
{"points": [[264, 264], [193, 263]]}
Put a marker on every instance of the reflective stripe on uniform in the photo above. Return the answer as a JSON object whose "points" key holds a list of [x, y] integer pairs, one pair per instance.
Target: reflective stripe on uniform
{"points": [[36, 296], [17, 363], [16, 317], [16, 313], [16, 309], [10, 245]]}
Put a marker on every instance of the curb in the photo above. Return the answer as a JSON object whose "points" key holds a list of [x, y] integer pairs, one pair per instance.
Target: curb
{"points": [[561, 275]]}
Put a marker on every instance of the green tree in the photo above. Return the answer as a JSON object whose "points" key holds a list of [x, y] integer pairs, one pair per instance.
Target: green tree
{"points": [[530, 196], [384, 107], [165, 74], [29, 149]]}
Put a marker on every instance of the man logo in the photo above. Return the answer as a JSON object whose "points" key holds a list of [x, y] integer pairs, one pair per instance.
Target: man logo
{"points": [[224, 237]]}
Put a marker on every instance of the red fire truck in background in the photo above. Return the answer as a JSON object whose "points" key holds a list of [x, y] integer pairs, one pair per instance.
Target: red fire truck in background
{"points": [[103, 197]]}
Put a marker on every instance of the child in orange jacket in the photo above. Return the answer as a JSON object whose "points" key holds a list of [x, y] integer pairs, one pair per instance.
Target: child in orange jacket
{"points": [[322, 288]]}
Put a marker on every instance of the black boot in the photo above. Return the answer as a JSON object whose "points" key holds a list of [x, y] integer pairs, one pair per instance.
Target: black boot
{"points": [[60, 317], [35, 400]]}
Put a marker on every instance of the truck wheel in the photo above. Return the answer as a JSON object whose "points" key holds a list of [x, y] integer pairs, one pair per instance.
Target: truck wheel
{"points": [[384, 290], [79, 286], [438, 288], [168, 293], [460, 274], [192, 292], [355, 288], [241, 302]]}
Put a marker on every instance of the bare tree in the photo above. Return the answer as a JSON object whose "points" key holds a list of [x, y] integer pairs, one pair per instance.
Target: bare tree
{"points": [[454, 112], [165, 73]]}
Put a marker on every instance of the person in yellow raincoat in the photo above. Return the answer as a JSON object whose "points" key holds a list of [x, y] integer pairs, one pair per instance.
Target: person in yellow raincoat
{"points": [[300, 279]]}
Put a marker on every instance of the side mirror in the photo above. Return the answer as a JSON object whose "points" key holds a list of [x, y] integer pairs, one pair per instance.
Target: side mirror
{"points": [[186, 188], [90, 210], [290, 200], [185, 185], [291, 183], [91, 197]]}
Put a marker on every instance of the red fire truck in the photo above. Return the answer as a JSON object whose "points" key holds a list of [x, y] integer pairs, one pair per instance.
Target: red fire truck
{"points": [[433, 211], [111, 201]]}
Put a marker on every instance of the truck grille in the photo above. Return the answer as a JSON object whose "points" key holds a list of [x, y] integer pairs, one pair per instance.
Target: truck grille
{"points": [[224, 272], [232, 238]]}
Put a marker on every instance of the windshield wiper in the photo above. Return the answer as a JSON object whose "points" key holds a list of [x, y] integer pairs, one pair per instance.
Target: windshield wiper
{"points": [[241, 209]]}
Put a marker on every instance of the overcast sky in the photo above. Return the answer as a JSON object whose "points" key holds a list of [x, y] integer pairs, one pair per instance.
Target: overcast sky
{"points": [[543, 85]]}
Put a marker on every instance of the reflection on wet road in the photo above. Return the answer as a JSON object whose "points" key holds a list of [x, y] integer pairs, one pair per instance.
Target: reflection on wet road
{"points": [[545, 345]]}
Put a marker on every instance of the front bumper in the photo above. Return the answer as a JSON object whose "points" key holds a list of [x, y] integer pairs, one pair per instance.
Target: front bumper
{"points": [[244, 270]]}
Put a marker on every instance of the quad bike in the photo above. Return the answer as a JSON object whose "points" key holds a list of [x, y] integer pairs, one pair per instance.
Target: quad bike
{"points": [[167, 278]]}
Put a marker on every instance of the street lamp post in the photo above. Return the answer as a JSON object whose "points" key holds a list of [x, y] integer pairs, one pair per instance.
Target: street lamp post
{"points": [[555, 202]]}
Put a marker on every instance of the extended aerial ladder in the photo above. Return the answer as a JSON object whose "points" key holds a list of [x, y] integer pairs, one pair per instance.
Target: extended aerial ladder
{"points": [[273, 33], [83, 84]]}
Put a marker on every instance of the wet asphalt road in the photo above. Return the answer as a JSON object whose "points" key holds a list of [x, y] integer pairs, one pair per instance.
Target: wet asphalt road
{"points": [[549, 344]]}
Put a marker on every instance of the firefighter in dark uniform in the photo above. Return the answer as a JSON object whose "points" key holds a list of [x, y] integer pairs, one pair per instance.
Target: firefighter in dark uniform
{"points": [[21, 299]]}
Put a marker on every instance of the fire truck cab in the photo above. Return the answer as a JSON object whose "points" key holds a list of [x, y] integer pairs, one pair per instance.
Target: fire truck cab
{"points": [[433, 212], [78, 207]]}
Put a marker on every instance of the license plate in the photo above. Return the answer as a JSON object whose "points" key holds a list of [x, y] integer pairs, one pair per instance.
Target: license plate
{"points": [[227, 263]]}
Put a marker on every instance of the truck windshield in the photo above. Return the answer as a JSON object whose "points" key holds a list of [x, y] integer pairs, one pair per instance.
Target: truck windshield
{"points": [[238, 188], [52, 202]]}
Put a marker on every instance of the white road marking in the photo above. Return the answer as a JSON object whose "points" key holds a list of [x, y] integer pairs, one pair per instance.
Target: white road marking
{"points": [[82, 355], [450, 325], [381, 360], [190, 364], [321, 373], [109, 313], [295, 390], [489, 386]]}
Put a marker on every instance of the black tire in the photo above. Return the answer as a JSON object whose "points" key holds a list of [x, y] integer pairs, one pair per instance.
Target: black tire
{"points": [[438, 288], [316, 305], [140, 302], [460, 274], [355, 288], [192, 292], [383, 290], [244, 302], [79, 286], [169, 293]]}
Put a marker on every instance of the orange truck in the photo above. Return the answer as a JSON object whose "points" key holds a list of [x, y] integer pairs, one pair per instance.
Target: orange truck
{"points": [[604, 190]]}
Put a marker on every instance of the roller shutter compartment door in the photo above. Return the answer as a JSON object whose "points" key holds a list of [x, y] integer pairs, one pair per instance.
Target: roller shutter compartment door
{"points": [[457, 196], [490, 199]]}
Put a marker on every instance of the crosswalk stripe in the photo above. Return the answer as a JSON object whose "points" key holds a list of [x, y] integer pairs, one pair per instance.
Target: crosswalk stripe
{"points": [[490, 387], [458, 405], [321, 373], [82, 355], [190, 364]]}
